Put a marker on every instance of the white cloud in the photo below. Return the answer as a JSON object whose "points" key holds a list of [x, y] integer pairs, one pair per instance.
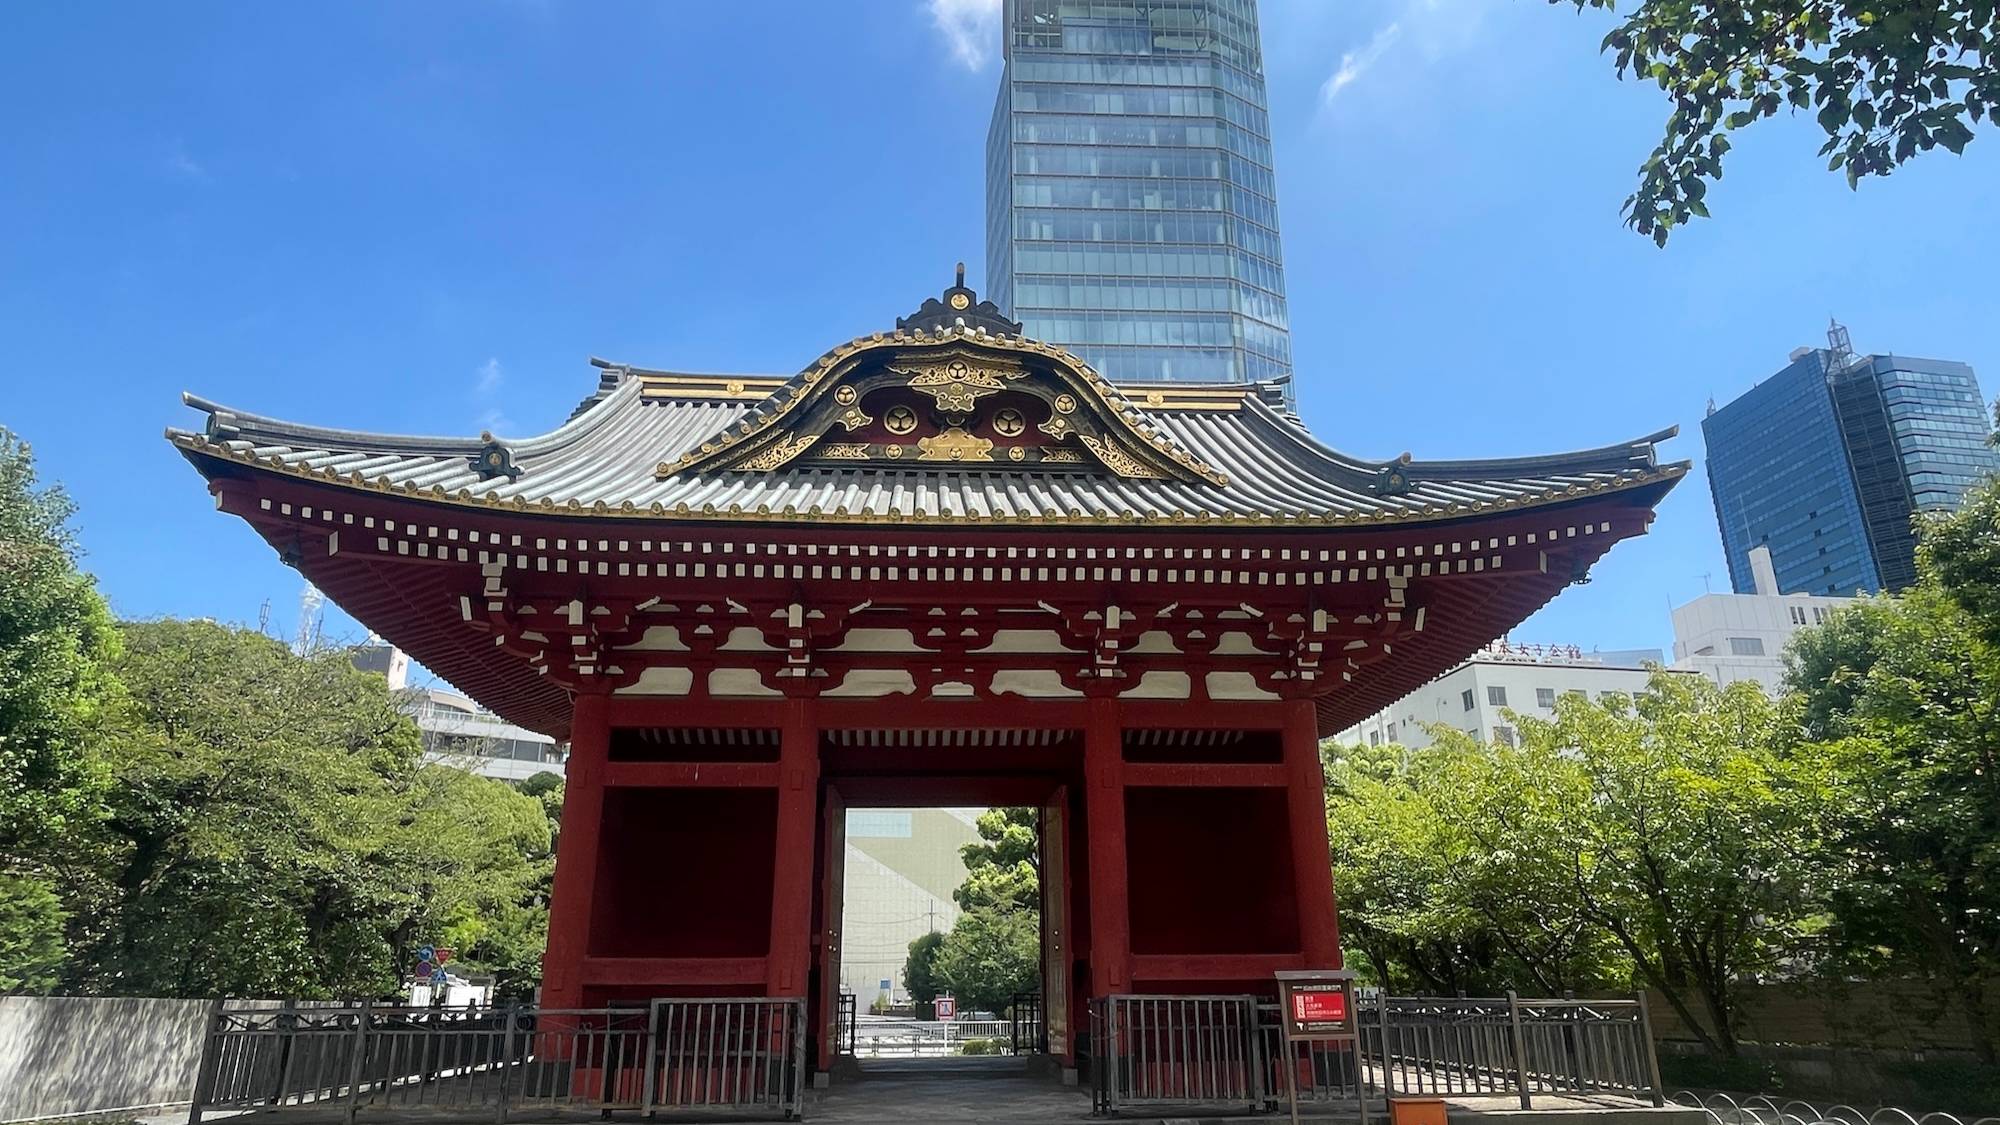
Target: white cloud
{"points": [[486, 382], [182, 164], [1422, 32], [970, 27], [1354, 64]]}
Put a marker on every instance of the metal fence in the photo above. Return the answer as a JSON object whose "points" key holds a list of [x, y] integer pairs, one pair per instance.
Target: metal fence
{"points": [[1027, 1033], [488, 1063], [1175, 1050], [1510, 1046], [845, 1018], [736, 1053], [1229, 1050]]}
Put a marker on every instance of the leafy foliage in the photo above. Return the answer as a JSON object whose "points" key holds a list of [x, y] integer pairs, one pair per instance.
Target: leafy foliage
{"points": [[1004, 870], [31, 945], [1884, 79], [1658, 841], [55, 635], [920, 972], [990, 955], [271, 831], [994, 949], [1902, 697]]}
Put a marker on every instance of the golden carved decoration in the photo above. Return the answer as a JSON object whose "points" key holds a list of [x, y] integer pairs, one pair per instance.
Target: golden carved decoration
{"points": [[955, 445], [1062, 457], [783, 450], [894, 452], [1118, 459], [1155, 398], [844, 452], [1057, 427], [845, 396], [900, 419], [1009, 423], [1065, 403], [854, 419], [735, 386], [958, 386], [1016, 453], [960, 300]]}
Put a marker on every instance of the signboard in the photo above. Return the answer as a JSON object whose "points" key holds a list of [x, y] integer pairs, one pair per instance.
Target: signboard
{"points": [[1318, 1008], [945, 1007]]}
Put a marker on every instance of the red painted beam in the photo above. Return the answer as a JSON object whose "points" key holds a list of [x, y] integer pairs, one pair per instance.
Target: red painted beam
{"points": [[673, 970], [1312, 865], [1212, 966], [1104, 813], [576, 861], [792, 881], [691, 775], [1206, 775]]}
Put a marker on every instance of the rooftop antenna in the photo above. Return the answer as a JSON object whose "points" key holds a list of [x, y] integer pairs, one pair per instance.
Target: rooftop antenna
{"points": [[1839, 348]]}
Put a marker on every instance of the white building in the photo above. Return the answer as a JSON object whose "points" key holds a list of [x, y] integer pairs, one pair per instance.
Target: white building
{"points": [[902, 865], [1526, 679], [1734, 637], [457, 731]]}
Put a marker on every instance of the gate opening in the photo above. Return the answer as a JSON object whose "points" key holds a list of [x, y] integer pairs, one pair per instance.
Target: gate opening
{"points": [[941, 925]]}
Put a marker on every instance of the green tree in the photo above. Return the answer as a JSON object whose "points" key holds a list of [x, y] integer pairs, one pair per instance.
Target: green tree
{"points": [[272, 831], [920, 973], [1902, 697], [1004, 868], [1442, 883], [55, 637], [31, 939], [1961, 556], [991, 954], [1885, 80], [1678, 828]]}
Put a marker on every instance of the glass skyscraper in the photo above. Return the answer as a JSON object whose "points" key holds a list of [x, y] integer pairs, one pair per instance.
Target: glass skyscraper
{"points": [[1827, 461], [1131, 209]]}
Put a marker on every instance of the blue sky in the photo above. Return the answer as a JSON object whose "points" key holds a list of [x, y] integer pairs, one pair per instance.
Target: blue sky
{"points": [[425, 217]]}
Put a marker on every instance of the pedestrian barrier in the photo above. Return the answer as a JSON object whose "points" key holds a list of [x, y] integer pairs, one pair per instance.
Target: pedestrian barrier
{"points": [[1221, 1051], [486, 1063]]}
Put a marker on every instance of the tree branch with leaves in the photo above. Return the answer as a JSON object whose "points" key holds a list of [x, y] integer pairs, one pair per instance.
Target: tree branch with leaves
{"points": [[1885, 80]]}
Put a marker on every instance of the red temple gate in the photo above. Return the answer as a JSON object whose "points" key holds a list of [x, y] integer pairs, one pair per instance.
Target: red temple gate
{"points": [[943, 565]]}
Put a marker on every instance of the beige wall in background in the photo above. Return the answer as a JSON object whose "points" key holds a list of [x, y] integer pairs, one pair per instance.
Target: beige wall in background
{"points": [[902, 865]]}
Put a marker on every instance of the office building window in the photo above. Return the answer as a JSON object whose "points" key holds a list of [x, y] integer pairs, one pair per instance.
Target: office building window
{"points": [[1466, 698], [1545, 698], [1496, 696], [1503, 735], [1746, 646]]}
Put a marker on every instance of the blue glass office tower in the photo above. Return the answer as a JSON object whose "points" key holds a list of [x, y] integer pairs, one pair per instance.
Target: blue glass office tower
{"points": [[1131, 213], [1827, 461]]}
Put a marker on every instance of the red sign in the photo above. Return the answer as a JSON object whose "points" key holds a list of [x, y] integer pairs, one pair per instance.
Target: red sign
{"points": [[1319, 1007], [945, 1007]]}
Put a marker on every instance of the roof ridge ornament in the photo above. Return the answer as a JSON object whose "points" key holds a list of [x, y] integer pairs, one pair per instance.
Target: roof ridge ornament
{"points": [[959, 307]]}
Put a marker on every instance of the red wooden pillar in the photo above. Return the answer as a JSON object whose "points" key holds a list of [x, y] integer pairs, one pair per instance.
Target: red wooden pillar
{"points": [[1104, 817], [1312, 865], [576, 858], [791, 880]]}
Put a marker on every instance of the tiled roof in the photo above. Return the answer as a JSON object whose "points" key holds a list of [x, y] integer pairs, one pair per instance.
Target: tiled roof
{"points": [[615, 456]]}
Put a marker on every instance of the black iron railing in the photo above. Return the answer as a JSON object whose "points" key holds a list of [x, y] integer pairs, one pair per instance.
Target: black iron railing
{"points": [[1027, 1032], [487, 1063], [1223, 1051]]}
